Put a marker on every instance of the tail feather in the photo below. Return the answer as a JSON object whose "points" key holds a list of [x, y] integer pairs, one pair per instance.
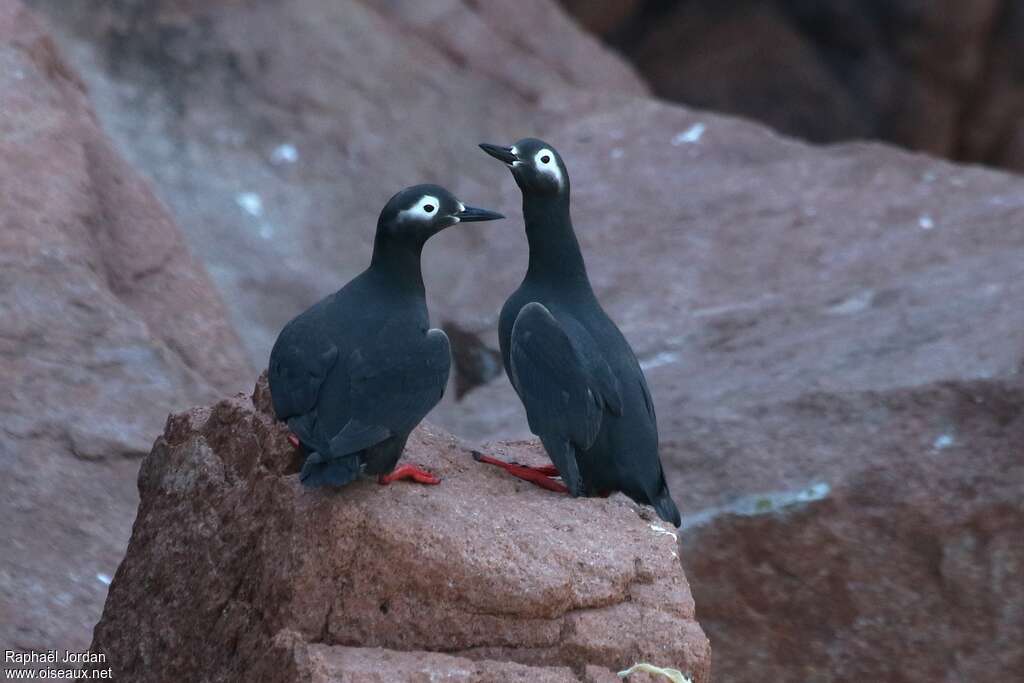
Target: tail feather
{"points": [[330, 472], [666, 507]]}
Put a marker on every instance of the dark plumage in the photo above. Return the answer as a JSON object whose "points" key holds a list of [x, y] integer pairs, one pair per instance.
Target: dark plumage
{"points": [[584, 392], [355, 373]]}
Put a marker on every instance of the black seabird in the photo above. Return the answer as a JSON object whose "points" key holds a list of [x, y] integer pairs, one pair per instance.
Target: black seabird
{"points": [[355, 373], [584, 392]]}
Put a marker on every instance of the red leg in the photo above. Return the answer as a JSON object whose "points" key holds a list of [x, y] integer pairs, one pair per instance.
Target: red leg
{"points": [[293, 440], [540, 476], [546, 470], [412, 472]]}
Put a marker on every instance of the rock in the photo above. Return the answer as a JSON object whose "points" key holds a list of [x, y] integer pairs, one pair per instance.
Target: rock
{"points": [[935, 77], [817, 324], [603, 17], [474, 363], [260, 123], [747, 269], [898, 557], [831, 323], [236, 571], [107, 323], [752, 63]]}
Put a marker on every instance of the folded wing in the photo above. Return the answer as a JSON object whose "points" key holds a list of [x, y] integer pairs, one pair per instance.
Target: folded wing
{"points": [[564, 383]]}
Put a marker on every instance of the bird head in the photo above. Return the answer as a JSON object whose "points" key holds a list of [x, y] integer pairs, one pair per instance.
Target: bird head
{"points": [[420, 211], [536, 166]]}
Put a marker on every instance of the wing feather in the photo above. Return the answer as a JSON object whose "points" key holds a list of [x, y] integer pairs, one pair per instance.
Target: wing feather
{"points": [[564, 396], [394, 386]]}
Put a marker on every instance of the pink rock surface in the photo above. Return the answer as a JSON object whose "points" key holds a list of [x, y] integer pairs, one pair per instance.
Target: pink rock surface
{"points": [[832, 334], [107, 323], [232, 561], [276, 131], [816, 323]]}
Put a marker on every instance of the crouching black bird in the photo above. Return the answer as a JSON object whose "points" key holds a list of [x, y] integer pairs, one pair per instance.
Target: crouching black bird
{"points": [[584, 392], [355, 373]]}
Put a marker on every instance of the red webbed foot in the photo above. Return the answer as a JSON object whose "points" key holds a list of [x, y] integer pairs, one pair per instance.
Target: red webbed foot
{"points": [[539, 476], [294, 440], [416, 474]]}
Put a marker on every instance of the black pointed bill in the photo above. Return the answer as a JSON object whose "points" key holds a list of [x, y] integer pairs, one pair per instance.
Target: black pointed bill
{"points": [[500, 153], [471, 214]]}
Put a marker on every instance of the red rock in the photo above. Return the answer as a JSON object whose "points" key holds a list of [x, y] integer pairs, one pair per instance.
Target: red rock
{"points": [[807, 315], [107, 323], [235, 571], [932, 76], [367, 97], [902, 563], [257, 121], [840, 321], [603, 17]]}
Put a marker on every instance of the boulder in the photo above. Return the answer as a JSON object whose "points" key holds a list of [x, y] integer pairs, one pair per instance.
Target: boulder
{"points": [[235, 571], [748, 269], [276, 131], [821, 326], [878, 537], [836, 331], [265, 129], [941, 77], [107, 323]]}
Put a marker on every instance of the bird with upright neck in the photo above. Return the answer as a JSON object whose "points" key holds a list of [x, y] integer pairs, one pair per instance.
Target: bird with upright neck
{"points": [[354, 374], [584, 392]]}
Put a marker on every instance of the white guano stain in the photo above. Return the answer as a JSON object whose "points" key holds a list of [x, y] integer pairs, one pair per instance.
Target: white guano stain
{"points": [[250, 202], [855, 304], [760, 504], [285, 153], [662, 531], [674, 675], [690, 136], [659, 359]]}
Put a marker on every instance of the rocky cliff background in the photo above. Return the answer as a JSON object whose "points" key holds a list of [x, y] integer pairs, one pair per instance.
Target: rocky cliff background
{"points": [[832, 334], [940, 76]]}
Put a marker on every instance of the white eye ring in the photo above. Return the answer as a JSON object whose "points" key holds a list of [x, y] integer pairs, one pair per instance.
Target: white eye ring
{"points": [[423, 210], [548, 167]]}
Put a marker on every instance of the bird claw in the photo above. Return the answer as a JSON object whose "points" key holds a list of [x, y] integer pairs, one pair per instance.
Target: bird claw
{"points": [[539, 476], [420, 476]]}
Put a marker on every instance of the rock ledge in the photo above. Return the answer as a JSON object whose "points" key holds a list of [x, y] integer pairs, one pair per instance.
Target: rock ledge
{"points": [[236, 572]]}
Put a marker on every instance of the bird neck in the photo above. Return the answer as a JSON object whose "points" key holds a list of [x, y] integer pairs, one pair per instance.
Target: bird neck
{"points": [[398, 263], [554, 251]]}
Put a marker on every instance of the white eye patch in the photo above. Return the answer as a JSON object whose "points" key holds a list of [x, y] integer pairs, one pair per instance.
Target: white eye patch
{"points": [[462, 207], [544, 161], [423, 210]]}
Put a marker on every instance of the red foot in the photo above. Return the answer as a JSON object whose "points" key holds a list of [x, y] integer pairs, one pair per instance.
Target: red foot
{"points": [[418, 475], [540, 476], [293, 440]]}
